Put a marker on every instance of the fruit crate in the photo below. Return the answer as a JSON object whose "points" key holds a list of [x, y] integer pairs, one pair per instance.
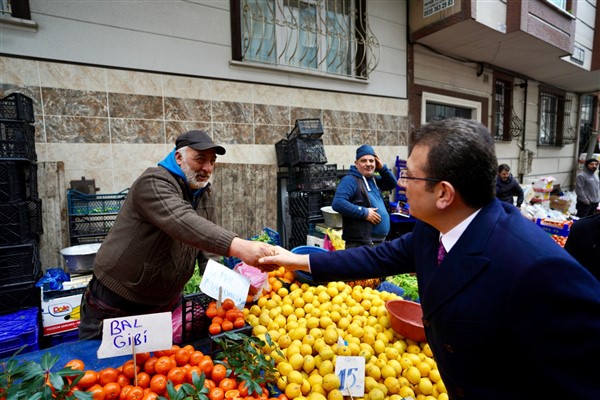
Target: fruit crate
{"points": [[88, 204], [283, 159], [84, 227], [20, 221], [215, 347], [20, 263], [17, 141], [194, 321], [306, 151], [19, 329], [307, 128], [19, 295], [307, 204], [17, 106], [299, 232], [313, 177], [18, 181]]}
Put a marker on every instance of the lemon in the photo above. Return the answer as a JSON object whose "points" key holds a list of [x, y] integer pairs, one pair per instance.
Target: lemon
{"points": [[392, 353], [413, 375], [425, 386], [299, 312], [441, 387], [284, 341], [413, 358], [406, 392], [413, 349], [308, 364], [312, 322], [434, 375], [354, 348], [396, 365], [316, 396], [325, 367], [284, 368], [294, 377], [293, 390], [264, 319], [331, 382], [319, 344], [296, 361], [392, 384], [281, 383], [287, 309], [298, 333], [376, 394], [308, 308], [259, 330], [330, 336], [325, 322], [388, 371], [326, 353], [315, 379], [423, 368], [366, 354], [323, 297], [335, 395], [379, 346], [344, 351], [443, 396], [299, 302], [308, 297], [306, 349], [368, 338], [318, 388]]}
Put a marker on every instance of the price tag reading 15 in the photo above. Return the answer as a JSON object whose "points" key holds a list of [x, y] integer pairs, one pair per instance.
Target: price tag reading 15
{"points": [[351, 371]]}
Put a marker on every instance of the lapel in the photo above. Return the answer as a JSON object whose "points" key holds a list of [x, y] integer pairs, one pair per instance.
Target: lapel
{"points": [[465, 261]]}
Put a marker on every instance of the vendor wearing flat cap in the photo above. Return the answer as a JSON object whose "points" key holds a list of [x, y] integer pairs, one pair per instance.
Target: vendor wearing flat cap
{"points": [[167, 222], [358, 198]]}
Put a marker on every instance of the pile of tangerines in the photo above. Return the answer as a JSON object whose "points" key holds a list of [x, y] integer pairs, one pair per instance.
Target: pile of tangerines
{"points": [[225, 317], [146, 377]]}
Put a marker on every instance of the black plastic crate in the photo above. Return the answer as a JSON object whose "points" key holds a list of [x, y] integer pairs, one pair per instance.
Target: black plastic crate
{"points": [[216, 347], [299, 232], [308, 205], [75, 240], [313, 177], [20, 295], [306, 151], [283, 159], [17, 106], [307, 128], [80, 203], [20, 263], [91, 225], [194, 322], [18, 181], [20, 221], [17, 141]]}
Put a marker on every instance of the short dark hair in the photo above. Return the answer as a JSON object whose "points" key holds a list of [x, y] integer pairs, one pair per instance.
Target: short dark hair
{"points": [[503, 167], [461, 151]]}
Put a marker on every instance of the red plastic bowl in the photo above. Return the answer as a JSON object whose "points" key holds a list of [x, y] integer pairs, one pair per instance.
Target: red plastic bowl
{"points": [[406, 318]]}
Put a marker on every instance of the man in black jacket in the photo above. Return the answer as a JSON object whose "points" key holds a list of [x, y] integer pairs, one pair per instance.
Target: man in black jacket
{"points": [[507, 186], [583, 243]]}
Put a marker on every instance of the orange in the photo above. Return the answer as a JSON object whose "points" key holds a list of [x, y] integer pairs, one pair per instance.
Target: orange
{"points": [[239, 322], [206, 365], [129, 369], [209, 384], [243, 388], [228, 304], [217, 320], [136, 393], [163, 365], [125, 392], [149, 365], [150, 396], [232, 394], [88, 379], [75, 364], [195, 357], [158, 384], [122, 380], [182, 356], [214, 329], [227, 325], [228, 384], [107, 375], [190, 373], [97, 392], [112, 390], [221, 312], [219, 372], [211, 312], [143, 380], [176, 375], [141, 358], [216, 394]]}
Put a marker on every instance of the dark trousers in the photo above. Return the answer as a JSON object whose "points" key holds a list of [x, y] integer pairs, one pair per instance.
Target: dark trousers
{"points": [[583, 210]]}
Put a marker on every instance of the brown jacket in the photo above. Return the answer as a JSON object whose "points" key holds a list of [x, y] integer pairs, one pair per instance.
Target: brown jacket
{"points": [[150, 252]]}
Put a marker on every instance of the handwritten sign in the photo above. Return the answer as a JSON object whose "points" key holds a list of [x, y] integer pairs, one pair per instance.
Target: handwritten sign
{"points": [[233, 285], [351, 371], [145, 333]]}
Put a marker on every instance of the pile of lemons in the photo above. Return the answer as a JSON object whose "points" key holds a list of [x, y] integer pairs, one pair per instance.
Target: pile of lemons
{"points": [[311, 325]]}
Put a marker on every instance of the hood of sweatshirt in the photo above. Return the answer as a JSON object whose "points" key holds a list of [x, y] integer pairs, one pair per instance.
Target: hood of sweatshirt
{"points": [[170, 164]]}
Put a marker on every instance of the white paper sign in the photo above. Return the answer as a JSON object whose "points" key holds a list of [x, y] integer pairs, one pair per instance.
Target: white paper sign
{"points": [[146, 333], [351, 371], [233, 285]]}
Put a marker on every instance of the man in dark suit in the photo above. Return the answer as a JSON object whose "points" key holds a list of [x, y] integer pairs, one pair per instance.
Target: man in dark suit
{"points": [[583, 243], [502, 302]]}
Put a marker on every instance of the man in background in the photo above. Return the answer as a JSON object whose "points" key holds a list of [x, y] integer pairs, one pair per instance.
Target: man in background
{"points": [[587, 189], [507, 186], [583, 243], [359, 200]]}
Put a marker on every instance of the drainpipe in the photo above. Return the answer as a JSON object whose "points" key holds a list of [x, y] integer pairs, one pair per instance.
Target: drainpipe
{"points": [[525, 85], [594, 133]]}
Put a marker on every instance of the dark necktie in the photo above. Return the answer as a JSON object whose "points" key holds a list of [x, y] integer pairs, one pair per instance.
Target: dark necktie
{"points": [[441, 253]]}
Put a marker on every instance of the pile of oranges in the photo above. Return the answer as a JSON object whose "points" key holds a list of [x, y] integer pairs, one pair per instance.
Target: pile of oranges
{"points": [[280, 278], [560, 240], [147, 377], [224, 318]]}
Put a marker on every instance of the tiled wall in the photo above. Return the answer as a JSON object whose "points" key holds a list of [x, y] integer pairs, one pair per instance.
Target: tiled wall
{"points": [[110, 124]]}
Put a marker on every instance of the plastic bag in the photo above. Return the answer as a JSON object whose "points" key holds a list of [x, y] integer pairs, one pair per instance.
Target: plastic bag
{"points": [[53, 279], [258, 280], [177, 325], [327, 245]]}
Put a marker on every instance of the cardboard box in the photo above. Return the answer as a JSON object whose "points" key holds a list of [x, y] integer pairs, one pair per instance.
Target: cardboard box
{"points": [[562, 205], [554, 227], [60, 310]]}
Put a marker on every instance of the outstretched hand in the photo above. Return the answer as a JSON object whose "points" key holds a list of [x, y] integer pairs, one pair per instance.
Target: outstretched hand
{"points": [[285, 258]]}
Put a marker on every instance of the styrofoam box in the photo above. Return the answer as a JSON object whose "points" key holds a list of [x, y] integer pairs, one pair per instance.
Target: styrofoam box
{"points": [[60, 310], [315, 241]]}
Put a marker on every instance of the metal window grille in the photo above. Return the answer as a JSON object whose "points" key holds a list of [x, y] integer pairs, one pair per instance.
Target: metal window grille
{"points": [[328, 36], [5, 10], [551, 119]]}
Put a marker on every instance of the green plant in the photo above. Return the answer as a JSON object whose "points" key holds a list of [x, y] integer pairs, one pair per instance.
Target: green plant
{"points": [[194, 391], [29, 380], [245, 357]]}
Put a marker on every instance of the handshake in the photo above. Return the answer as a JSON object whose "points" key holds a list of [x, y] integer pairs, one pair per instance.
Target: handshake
{"points": [[267, 257]]}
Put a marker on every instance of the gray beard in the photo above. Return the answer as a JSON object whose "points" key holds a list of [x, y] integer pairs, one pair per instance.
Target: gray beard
{"points": [[190, 176]]}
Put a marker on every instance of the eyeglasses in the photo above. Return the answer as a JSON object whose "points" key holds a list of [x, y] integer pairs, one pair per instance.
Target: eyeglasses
{"points": [[404, 178]]}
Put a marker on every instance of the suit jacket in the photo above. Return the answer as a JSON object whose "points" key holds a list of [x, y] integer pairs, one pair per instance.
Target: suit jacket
{"points": [[508, 314]]}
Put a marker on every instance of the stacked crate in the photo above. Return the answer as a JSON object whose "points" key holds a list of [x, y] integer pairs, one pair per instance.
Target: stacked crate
{"points": [[20, 216], [311, 182]]}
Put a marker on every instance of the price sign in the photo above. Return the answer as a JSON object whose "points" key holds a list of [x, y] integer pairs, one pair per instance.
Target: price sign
{"points": [[351, 371], [220, 280], [139, 333]]}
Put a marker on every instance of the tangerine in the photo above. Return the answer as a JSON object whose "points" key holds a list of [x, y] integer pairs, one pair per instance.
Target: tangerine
{"points": [[182, 356], [163, 365], [88, 379], [112, 390], [158, 384], [107, 375], [216, 394], [218, 372], [176, 375], [97, 392]]}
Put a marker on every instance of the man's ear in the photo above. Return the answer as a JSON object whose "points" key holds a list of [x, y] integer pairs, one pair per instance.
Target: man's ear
{"points": [[445, 194], [178, 157]]}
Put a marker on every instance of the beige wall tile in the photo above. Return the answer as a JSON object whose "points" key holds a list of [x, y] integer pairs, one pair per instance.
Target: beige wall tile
{"points": [[133, 82], [231, 91], [183, 87], [16, 71], [68, 76]]}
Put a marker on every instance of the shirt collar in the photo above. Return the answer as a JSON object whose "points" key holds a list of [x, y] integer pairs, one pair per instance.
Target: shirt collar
{"points": [[452, 236]]}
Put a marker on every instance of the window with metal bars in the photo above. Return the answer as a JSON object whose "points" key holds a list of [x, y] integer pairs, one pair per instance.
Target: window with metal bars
{"points": [[502, 110], [331, 37], [551, 117], [15, 9]]}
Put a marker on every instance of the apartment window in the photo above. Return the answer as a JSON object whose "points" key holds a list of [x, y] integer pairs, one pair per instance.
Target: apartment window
{"points": [[437, 107], [502, 110], [330, 37], [15, 9], [562, 4], [551, 117]]}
